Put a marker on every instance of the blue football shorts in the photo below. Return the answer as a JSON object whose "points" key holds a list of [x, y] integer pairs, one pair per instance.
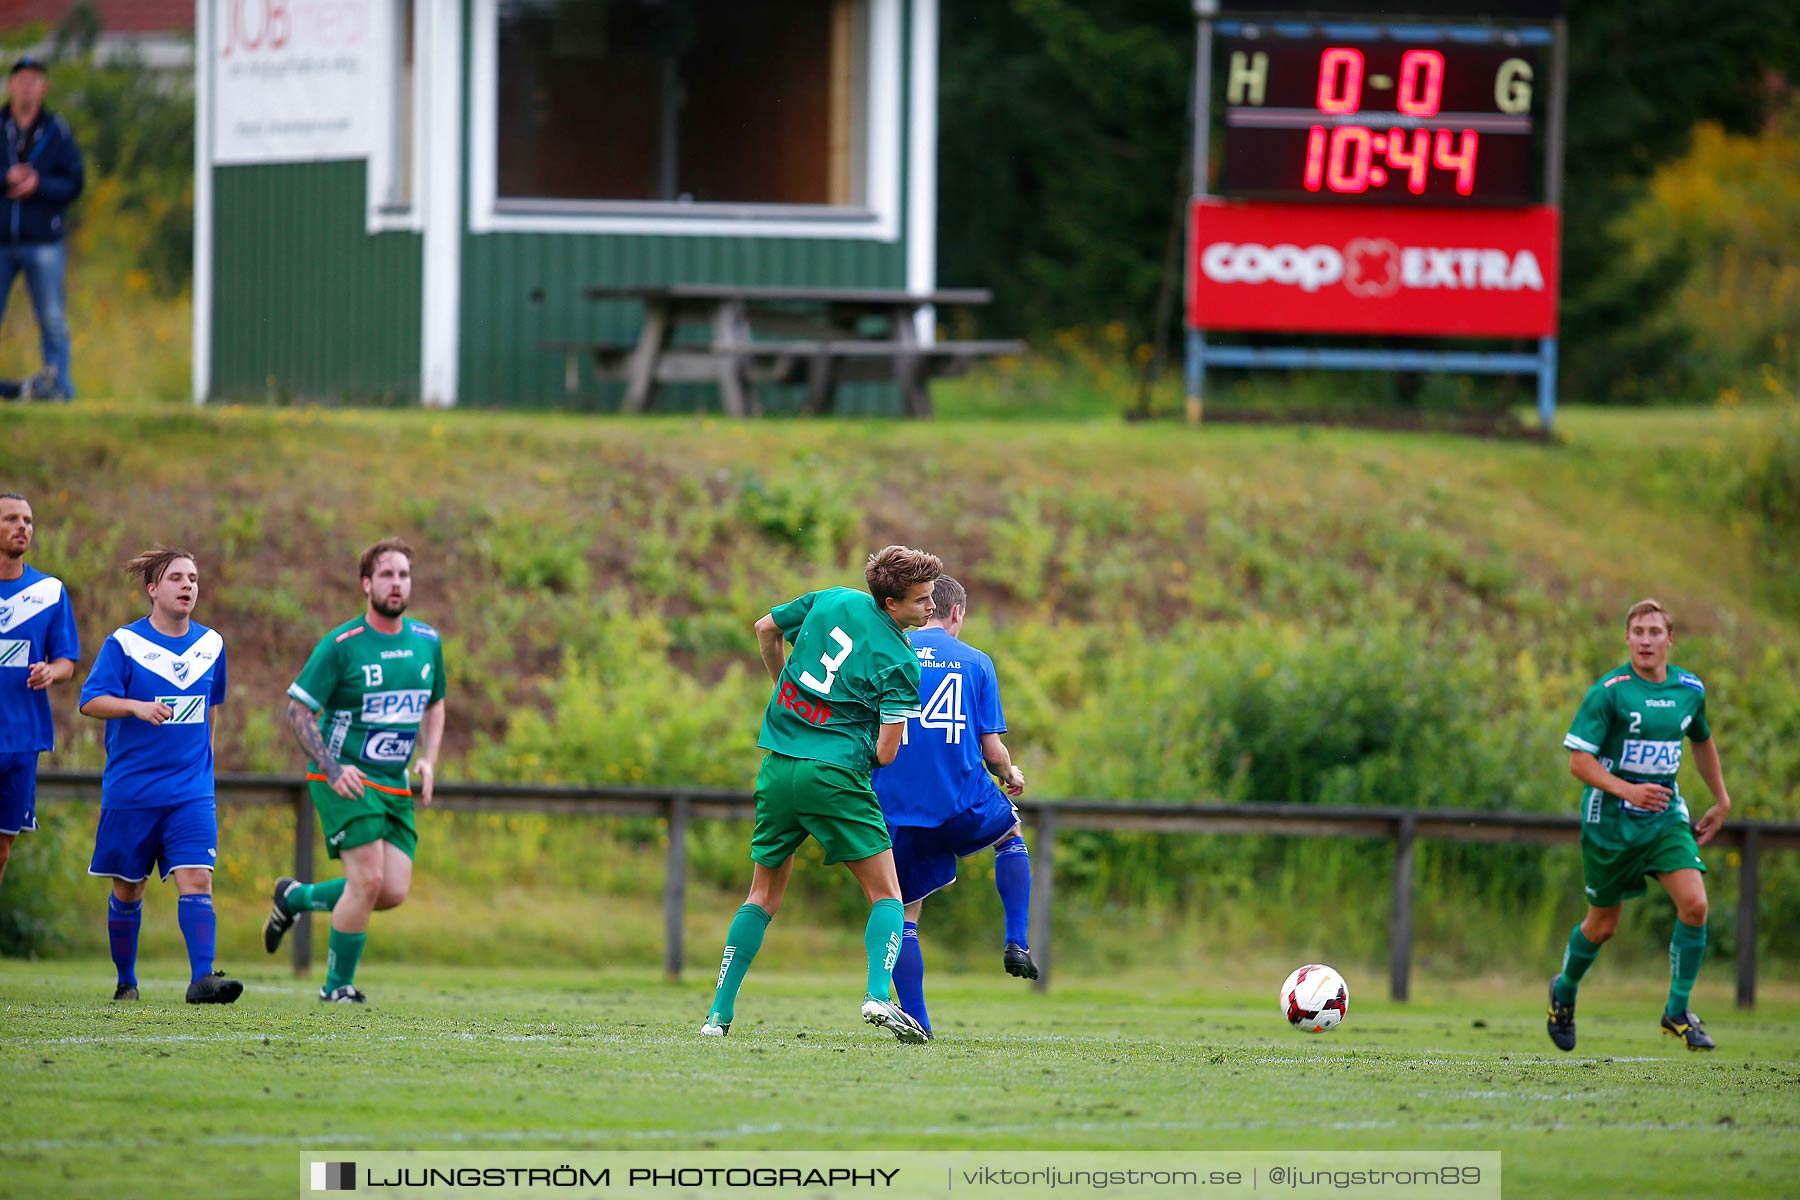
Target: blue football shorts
{"points": [[18, 792], [130, 841], [925, 855]]}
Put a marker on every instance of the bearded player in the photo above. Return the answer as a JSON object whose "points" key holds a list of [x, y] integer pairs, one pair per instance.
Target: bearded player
{"points": [[372, 690]]}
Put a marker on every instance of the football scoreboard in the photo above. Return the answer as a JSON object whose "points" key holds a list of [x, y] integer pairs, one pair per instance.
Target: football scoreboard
{"points": [[1395, 175]]}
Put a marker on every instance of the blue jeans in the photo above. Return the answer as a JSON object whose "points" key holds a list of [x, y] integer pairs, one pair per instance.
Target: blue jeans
{"points": [[43, 264]]}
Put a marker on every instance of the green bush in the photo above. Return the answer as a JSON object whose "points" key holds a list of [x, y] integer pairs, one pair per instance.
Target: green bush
{"points": [[39, 901]]}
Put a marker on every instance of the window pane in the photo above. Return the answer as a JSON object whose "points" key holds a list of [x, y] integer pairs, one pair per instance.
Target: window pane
{"points": [[708, 101]]}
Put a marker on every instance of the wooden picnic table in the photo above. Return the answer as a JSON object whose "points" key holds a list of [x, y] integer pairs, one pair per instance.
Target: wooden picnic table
{"points": [[780, 335]]}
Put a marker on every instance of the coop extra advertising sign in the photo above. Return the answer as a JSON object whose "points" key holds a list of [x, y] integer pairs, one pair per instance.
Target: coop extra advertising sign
{"points": [[298, 80], [1302, 268]]}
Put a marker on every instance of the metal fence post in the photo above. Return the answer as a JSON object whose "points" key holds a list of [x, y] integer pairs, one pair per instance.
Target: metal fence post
{"points": [[1043, 886], [1749, 885], [1400, 933], [675, 888], [303, 870]]}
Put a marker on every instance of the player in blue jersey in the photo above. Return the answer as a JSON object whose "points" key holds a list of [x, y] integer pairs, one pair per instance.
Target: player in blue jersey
{"points": [[938, 798], [156, 683], [38, 647]]}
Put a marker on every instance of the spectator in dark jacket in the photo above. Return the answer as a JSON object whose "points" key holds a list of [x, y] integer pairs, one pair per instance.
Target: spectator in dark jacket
{"points": [[43, 176]]}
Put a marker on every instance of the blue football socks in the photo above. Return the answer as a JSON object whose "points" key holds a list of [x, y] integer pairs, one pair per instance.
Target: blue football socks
{"points": [[1012, 879], [909, 975], [200, 927], [122, 923]]}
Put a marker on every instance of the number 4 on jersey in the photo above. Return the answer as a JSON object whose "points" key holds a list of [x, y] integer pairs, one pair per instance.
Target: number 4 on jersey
{"points": [[945, 709]]}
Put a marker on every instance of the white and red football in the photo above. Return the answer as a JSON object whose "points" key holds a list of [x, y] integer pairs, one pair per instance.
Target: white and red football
{"points": [[1315, 998]]}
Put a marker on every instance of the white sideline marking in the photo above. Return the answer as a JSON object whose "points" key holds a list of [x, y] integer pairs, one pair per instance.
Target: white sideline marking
{"points": [[432, 1137], [575, 1041], [158, 1039]]}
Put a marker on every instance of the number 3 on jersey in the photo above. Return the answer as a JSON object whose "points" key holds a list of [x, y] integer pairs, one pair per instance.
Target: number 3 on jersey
{"points": [[944, 710], [831, 663]]}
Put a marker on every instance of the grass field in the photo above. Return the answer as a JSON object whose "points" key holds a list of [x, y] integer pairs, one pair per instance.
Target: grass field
{"points": [[113, 1100]]}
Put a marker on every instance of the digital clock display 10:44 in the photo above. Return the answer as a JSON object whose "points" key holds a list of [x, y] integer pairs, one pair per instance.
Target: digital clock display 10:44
{"points": [[1380, 121]]}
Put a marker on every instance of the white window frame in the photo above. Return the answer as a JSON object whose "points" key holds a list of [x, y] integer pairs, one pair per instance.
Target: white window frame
{"points": [[382, 216], [877, 218]]}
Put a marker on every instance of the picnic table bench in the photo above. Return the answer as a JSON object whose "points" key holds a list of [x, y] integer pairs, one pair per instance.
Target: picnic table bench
{"points": [[819, 337]]}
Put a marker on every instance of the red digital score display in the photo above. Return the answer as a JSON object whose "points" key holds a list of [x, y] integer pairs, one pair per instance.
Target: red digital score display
{"points": [[1379, 121]]}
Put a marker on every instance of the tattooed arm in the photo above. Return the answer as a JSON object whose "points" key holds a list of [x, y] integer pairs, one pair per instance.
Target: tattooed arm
{"points": [[346, 781]]}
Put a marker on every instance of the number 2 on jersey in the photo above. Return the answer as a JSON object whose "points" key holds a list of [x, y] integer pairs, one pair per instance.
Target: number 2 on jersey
{"points": [[831, 662]]}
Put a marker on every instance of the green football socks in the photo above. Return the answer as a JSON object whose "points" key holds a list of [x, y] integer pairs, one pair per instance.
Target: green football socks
{"points": [[1686, 948], [313, 897], [1577, 958], [340, 964], [742, 941], [882, 940]]}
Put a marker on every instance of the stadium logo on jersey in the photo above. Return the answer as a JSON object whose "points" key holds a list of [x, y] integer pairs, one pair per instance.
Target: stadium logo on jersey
{"points": [[15, 654], [189, 710], [396, 654], [816, 711], [407, 705], [1651, 758], [1655, 703], [388, 746]]}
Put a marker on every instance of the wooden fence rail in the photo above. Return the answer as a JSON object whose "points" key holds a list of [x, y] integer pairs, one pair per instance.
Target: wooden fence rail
{"points": [[679, 806]]}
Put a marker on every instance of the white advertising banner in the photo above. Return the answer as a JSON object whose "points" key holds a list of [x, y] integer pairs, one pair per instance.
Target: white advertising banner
{"points": [[300, 80]]}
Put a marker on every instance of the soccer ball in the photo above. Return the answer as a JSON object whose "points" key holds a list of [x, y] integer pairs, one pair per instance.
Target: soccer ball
{"points": [[1314, 998]]}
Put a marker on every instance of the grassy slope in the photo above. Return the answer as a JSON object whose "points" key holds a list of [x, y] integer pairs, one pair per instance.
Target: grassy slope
{"points": [[103, 1098], [646, 546], [522, 520]]}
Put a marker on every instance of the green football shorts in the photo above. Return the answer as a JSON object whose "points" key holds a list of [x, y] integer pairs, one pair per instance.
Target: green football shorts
{"points": [[383, 813], [797, 798], [1613, 874]]}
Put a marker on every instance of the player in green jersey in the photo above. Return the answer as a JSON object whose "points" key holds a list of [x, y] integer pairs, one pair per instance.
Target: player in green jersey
{"points": [[373, 688], [1625, 745], [838, 711]]}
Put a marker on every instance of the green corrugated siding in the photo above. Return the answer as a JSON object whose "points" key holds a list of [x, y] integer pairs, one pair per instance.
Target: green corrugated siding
{"points": [[502, 325], [305, 301]]}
